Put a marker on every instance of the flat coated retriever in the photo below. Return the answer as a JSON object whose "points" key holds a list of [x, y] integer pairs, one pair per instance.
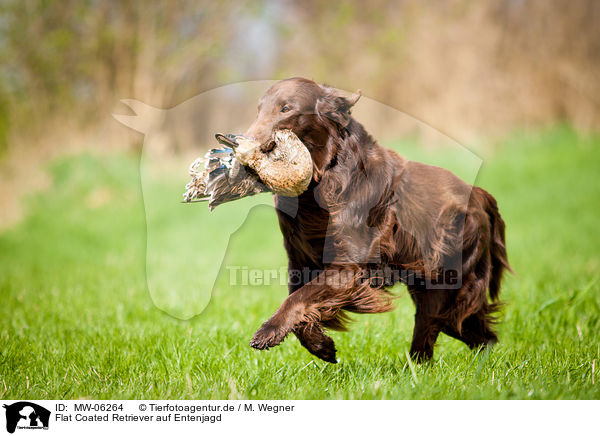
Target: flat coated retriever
{"points": [[369, 219]]}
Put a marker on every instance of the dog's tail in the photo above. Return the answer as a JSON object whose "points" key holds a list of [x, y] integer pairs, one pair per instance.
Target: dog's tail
{"points": [[497, 244]]}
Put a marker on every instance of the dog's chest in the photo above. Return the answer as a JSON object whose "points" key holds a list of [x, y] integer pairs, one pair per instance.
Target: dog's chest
{"points": [[304, 226]]}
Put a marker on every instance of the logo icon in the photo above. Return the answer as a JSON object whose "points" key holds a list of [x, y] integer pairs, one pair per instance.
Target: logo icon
{"points": [[26, 415]]}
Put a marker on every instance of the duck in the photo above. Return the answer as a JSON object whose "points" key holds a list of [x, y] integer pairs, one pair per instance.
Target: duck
{"points": [[240, 167]]}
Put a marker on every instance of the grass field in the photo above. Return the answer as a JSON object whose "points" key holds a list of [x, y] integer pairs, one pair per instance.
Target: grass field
{"points": [[76, 318]]}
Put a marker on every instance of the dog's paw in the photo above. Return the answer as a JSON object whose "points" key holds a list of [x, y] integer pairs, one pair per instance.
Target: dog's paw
{"points": [[268, 336], [313, 338], [325, 350]]}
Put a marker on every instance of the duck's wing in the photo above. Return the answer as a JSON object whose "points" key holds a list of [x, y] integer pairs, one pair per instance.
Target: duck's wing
{"points": [[221, 187], [200, 170], [223, 179]]}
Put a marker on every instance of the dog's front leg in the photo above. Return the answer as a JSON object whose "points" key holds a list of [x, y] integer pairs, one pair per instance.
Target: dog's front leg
{"points": [[318, 300], [291, 313], [312, 337]]}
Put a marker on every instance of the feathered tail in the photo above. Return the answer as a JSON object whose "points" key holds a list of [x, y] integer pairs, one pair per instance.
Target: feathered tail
{"points": [[497, 246]]}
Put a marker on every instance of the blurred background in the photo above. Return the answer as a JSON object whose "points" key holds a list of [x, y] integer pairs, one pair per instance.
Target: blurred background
{"points": [[516, 82], [469, 69]]}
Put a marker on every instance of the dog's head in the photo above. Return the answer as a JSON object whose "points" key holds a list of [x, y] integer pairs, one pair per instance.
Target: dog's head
{"points": [[315, 113]]}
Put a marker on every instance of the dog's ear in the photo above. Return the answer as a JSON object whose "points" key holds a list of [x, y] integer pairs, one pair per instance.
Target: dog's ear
{"points": [[336, 107]]}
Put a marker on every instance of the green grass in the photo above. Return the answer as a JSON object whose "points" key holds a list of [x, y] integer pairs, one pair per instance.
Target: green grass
{"points": [[77, 320]]}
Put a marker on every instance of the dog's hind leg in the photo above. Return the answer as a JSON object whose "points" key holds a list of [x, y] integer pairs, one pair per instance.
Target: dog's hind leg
{"points": [[429, 306], [475, 330], [471, 317]]}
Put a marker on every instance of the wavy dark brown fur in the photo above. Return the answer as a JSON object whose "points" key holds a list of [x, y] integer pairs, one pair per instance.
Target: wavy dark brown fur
{"points": [[368, 211]]}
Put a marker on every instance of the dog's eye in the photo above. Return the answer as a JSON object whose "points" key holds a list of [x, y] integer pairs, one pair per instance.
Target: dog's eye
{"points": [[285, 109]]}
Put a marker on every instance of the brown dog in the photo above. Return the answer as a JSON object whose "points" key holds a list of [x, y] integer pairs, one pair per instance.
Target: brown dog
{"points": [[369, 219]]}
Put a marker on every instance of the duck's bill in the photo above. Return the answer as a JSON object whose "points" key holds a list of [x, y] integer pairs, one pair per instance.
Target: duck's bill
{"points": [[196, 200], [228, 140]]}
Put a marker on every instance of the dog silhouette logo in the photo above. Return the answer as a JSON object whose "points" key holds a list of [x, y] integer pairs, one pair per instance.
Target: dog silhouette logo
{"points": [[26, 415]]}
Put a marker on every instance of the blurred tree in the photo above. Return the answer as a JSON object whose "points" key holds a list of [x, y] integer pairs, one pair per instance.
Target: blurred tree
{"points": [[74, 57], [460, 64]]}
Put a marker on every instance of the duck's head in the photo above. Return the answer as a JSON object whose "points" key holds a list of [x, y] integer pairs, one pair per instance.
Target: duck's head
{"points": [[286, 168]]}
